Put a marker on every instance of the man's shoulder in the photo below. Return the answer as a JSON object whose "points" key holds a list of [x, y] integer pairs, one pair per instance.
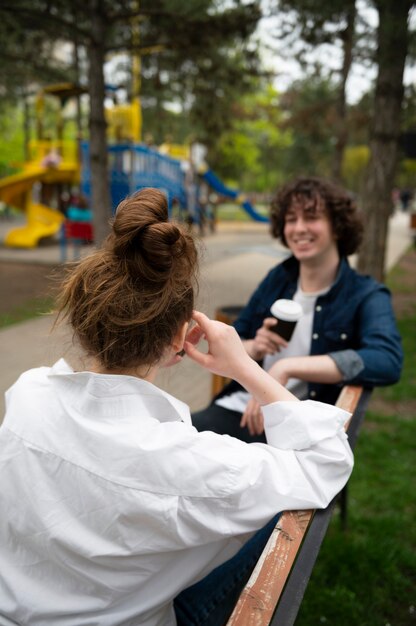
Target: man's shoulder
{"points": [[365, 284], [288, 269]]}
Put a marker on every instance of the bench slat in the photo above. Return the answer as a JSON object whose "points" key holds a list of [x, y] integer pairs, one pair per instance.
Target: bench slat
{"points": [[261, 594]]}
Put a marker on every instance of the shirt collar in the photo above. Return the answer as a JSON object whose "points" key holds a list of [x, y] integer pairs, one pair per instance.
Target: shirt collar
{"points": [[113, 395], [291, 267]]}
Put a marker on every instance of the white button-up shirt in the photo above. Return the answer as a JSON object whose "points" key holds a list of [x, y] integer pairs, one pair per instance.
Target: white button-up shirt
{"points": [[112, 503]]}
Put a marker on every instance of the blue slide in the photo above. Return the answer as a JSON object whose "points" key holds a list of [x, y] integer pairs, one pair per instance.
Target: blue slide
{"points": [[217, 185]]}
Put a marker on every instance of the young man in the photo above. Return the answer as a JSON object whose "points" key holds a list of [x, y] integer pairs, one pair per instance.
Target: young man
{"points": [[347, 333]]}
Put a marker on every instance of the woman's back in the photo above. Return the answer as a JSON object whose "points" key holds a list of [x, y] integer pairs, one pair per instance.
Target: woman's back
{"points": [[112, 503]]}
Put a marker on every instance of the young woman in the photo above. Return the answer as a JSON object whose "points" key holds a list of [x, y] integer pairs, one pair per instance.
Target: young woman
{"points": [[112, 503], [347, 333]]}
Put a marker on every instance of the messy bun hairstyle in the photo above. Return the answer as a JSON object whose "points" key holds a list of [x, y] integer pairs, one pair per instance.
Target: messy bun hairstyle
{"points": [[127, 301]]}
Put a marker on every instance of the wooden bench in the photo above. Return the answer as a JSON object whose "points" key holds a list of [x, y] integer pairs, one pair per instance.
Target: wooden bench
{"points": [[274, 592]]}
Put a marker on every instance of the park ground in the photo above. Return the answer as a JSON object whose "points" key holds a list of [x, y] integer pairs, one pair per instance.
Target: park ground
{"points": [[24, 289]]}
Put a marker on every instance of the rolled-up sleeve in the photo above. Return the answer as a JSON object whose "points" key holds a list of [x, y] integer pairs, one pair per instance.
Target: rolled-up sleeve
{"points": [[380, 348], [349, 363], [321, 458]]}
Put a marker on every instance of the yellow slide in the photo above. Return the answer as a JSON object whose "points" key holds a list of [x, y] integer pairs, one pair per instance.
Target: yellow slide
{"points": [[42, 221]]}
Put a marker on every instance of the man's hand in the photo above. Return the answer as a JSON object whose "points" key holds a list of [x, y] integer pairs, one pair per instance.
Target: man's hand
{"points": [[253, 418], [266, 341], [253, 415]]}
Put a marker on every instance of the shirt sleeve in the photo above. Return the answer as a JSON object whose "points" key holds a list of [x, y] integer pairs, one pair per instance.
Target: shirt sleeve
{"points": [[305, 463], [299, 426], [309, 447], [379, 348], [349, 363]]}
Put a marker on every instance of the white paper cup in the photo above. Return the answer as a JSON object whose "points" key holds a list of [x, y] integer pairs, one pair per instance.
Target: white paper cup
{"points": [[287, 313]]}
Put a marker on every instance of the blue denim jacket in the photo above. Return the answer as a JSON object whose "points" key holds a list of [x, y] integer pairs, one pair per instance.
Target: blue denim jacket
{"points": [[354, 323]]}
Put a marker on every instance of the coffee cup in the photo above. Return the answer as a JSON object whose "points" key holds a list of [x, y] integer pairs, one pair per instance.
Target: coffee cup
{"points": [[287, 313]]}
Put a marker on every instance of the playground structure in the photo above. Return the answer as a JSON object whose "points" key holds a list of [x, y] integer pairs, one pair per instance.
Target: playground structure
{"points": [[17, 190], [55, 165], [218, 186], [51, 165], [135, 166]]}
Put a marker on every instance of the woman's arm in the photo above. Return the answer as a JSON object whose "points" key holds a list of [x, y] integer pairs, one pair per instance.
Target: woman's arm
{"points": [[227, 357], [315, 369], [308, 460]]}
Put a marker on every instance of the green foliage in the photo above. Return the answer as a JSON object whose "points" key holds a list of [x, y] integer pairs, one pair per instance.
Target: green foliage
{"points": [[315, 21], [203, 65], [11, 140], [309, 108], [250, 153], [237, 154], [354, 165], [406, 176]]}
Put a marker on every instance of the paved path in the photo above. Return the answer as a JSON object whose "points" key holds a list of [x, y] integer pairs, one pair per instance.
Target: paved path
{"points": [[233, 262]]}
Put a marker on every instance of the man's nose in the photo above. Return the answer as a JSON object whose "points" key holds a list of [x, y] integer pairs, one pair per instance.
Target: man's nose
{"points": [[300, 223]]}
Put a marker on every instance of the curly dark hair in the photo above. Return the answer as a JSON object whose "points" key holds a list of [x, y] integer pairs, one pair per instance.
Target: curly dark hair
{"points": [[341, 208]]}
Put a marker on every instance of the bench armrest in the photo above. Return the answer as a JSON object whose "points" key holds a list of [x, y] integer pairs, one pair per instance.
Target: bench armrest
{"points": [[276, 587]]}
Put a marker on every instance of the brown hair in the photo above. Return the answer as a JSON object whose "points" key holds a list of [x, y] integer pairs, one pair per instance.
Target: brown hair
{"points": [[341, 209], [127, 301]]}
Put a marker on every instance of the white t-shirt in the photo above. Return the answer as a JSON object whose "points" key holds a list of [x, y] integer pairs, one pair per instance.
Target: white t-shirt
{"points": [[112, 502], [299, 345]]}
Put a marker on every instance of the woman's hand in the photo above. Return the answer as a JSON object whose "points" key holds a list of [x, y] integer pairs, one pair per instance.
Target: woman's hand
{"points": [[226, 355], [193, 336], [266, 340]]}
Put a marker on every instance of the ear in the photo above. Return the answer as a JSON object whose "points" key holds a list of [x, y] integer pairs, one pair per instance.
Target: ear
{"points": [[179, 338]]}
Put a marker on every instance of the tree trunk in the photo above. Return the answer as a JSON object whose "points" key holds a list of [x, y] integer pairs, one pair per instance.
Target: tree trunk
{"points": [[78, 115], [342, 128], [26, 128], [385, 132], [100, 193]]}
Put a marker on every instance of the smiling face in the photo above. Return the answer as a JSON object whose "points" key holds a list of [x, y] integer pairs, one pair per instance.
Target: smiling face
{"points": [[308, 230]]}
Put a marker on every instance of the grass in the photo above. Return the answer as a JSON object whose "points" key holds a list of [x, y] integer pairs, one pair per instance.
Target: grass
{"points": [[34, 307], [366, 576], [230, 212]]}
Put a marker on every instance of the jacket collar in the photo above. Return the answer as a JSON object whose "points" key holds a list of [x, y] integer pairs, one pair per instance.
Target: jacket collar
{"points": [[291, 267]]}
